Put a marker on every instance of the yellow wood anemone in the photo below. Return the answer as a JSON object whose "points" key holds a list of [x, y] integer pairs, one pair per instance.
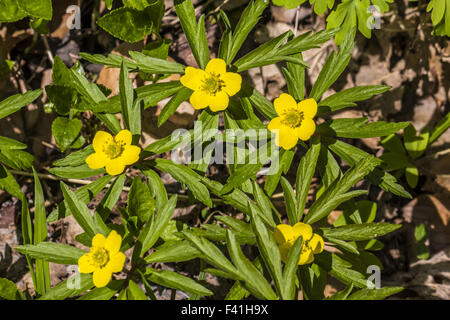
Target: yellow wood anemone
{"points": [[286, 235], [213, 86], [113, 153], [295, 121], [103, 259]]}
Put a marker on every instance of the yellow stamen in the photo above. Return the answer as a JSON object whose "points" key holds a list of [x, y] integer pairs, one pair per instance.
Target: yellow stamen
{"points": [[212, 83], [292, 118], [99, 256]]}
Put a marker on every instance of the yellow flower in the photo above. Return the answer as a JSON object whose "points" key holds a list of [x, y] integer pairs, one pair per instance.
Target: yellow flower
{"points": [[103, 259], [114, 153], [295, 121], [213, 86], [286, 235]]}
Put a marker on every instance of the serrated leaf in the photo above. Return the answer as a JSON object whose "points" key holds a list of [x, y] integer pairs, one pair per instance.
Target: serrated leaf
{"points": [[357, 232]]}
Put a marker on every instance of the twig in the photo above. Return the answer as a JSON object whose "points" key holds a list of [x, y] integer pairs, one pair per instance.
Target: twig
{"points": [[47, 47]]}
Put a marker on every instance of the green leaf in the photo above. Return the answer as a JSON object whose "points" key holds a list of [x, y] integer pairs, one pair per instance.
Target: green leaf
{"points": [[17, 102], [348, 15], [127, 98], [140, 202], [412, 176], [291, 202], [10, 11], [52, 252], [9, 291], [9, 184], [290, 269], [174, 280], [264, 204], [442, 126], [187, 176], [10, 144], [65, 131], [134, 292], [40, 235], [76, 158], [195, 33], [312, 279], [352, 155], [85, 194], [348, 97], [305, 173], [173, 104], [155, 65], [79, 172], [421, 249], [211, 253], [247, 22], [333, 68], [268, 249], [357, 232], [359, 128], [37, 9], [174, 251], [127, 24], [415, 145], [16, 159], [284, 164], [150, 234], [253, 278], [337, 192], [111, 197], [80, 212], [341, 295], [156, 187], [104, 293], [69, 288], [374, 294]]}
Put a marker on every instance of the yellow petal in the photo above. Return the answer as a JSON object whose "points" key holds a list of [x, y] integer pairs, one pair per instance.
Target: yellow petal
{"points": [[286, 138], [192, 78], [101, 277], [84, 264], [275, 124], [113, 242], [101, 139], [219, 101], [316, 244], [284, 103], [306, 256], [308, 107], [124, 136], [199, 100], [115, 166], [284, 233], [116, 262], [217, 66], [130, 154], [98, 240], [306, 129], [304, 230], [233, 83], [97, 160]]}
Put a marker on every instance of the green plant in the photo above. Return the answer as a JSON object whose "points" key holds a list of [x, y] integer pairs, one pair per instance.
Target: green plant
{"points": [[146, 220], [402, 152], [348, 14]]}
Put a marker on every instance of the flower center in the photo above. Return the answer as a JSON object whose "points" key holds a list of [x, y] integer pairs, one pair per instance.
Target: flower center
{"points": [[212, 83], [292, 118], [113, 149], [99, 256]]}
